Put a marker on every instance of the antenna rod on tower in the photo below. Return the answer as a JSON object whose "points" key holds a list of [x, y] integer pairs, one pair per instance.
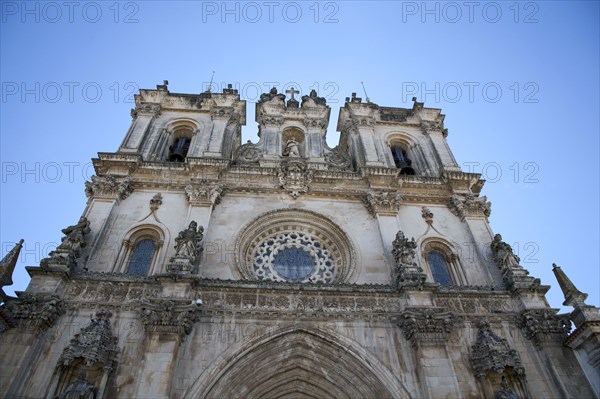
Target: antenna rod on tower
{"points": [[365, 90], [209, 88]]}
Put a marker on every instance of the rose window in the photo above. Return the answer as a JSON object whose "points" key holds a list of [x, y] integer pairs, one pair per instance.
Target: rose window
{"points": [[293, 256], [293, 245]]}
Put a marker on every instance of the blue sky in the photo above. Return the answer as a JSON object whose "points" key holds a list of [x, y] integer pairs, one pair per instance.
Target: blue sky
{"points": [[518, 82]]}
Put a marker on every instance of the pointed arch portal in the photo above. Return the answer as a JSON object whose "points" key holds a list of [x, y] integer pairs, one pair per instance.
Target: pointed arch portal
{"points": [[299, 364]]}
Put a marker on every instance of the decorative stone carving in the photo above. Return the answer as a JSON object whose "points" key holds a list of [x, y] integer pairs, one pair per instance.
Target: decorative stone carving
{"points": [[503, 253], [80, 388], [394, 115], [272, 94], [275, 121], [38, 311], [146, 109], [168, 317], [543, 325], [291, 149], [201, 192], [107, 187], [188, 249], [155, 202], [492, 353], [426, 324], [295, 177], [328, 248], [469, 205], [313, 99], [350, 126], [366, 121], [69, 250], [315, 123], [427, 215], [505, 391], [407, 271], [383, 202], [94, 344], [247, 153], [513, 274], [221, 113], [337, 159], [294, 256]]}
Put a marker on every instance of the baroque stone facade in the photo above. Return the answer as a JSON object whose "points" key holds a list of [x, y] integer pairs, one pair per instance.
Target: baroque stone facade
{"points": [[207, 268]]}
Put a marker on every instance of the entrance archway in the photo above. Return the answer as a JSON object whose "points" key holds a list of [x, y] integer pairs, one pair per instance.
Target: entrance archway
{"points": [[299, 363]]}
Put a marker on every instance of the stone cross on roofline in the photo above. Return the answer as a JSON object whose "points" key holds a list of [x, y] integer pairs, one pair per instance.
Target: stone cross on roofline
{"points": [[292, 91], [292, 102]]}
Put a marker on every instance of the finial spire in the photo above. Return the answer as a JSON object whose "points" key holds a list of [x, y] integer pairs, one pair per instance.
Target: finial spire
{"points": [[573, 297], [7, 265]]}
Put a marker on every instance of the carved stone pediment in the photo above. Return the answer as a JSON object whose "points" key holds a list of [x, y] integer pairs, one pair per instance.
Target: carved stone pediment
{"points": [[383, 202], [468, 205], [492, 353], [39, 311], [95, 344], [295, 177], [169, 317], [108, 187], [424, 325]]}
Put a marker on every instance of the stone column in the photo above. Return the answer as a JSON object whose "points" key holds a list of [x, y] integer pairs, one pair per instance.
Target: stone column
{"points": [[384, 205], [427, 330], [366, 132], [166, 324], [270, 127], [220, 117], [143, 115]]}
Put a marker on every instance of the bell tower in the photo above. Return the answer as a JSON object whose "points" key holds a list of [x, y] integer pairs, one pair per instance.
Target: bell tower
{"points": [[170, 127]]}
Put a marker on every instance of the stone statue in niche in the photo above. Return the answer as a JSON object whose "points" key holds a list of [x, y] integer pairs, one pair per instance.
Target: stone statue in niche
{"points": [[291, 149], [503, 253], [505, 391], [79, 389], [189, 241]]}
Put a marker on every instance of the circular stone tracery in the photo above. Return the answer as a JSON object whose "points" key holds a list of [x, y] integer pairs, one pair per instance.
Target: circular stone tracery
{"points": [[295, 246], [293, 257]]}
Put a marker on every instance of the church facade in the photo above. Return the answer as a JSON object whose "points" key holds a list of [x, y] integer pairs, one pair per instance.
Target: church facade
{"points": [[204, 267]]}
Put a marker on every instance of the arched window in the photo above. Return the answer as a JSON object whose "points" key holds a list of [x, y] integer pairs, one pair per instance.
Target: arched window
{"points": [[178, 139], [442, 262], [178, 151], [402, 161], [141, 257], [439, 268], [141, 251]]}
